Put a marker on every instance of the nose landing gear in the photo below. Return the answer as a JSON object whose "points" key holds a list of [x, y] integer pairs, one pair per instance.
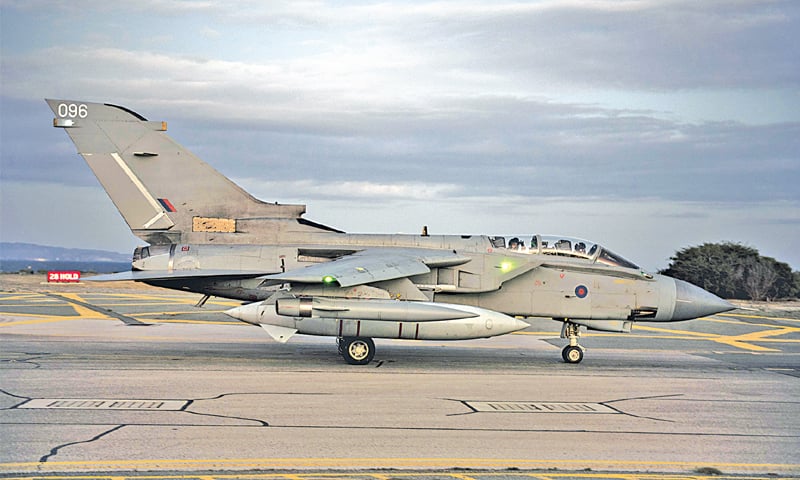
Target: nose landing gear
{"points": [[572, 353]]}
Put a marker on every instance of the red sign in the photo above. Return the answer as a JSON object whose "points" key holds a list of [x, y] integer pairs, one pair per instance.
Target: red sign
{"points": [[64, 276]]}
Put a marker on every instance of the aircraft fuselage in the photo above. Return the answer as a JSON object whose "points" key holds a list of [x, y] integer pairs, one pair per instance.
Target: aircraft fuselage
{"points": [[528, 283]]}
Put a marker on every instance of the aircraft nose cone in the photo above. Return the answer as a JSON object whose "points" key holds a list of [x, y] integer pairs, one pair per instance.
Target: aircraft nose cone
{"points": [[692, 301], [249, 313]]}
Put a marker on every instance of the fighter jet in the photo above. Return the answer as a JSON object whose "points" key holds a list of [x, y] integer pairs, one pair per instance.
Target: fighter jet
{"points": [[207, 235]]}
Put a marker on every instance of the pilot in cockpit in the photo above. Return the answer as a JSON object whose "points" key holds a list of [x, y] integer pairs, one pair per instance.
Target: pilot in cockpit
{"points": [[563, 245], [513, 244]]}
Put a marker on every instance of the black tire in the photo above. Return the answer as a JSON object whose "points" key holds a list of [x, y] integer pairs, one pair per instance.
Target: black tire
{"points": [[358, 350], [572, 354]]}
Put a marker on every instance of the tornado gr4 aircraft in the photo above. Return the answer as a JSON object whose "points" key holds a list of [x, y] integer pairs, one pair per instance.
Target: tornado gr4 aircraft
{"points": [[209, 236]]}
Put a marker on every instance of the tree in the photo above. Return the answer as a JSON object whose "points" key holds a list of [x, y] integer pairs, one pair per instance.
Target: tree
{"points": [[796, 284], [716, 267], [732, 270], [784, 284], [759, 278]]}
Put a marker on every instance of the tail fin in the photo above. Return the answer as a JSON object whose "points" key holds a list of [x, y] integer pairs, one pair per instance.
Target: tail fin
{"points": [[164, 192]]}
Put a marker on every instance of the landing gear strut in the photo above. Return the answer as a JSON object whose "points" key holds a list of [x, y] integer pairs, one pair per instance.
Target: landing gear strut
{"points": [[202, 301], [356, 350], [572, 353]]}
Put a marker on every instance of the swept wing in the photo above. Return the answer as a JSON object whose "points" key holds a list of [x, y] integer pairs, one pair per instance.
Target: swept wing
{"points": [[372, 265]]}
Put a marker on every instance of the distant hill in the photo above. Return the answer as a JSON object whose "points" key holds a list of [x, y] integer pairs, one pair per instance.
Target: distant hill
{"points": [[30, 251], [27, 256]]}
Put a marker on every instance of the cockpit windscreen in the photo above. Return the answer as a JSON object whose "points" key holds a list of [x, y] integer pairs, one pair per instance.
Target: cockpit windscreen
{"points": [[562, 246]]}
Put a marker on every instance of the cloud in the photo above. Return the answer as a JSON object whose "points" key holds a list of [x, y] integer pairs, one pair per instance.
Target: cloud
{"points": [[474, 107], [648, 45], [489, 145], [409, 53], [210, 33]]}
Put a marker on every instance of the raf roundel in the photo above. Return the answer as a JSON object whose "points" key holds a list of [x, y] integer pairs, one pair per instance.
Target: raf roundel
{"points": [[581, 291]]}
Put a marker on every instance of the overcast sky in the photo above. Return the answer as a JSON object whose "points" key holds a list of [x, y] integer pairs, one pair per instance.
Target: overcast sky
{"points": [[647, 126]]}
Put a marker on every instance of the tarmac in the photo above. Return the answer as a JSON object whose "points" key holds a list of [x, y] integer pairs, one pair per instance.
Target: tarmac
{"points": [[128, 381]]}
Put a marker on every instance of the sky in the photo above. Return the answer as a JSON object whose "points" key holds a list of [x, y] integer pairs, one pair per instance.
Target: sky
{"points": [[646, 126]]}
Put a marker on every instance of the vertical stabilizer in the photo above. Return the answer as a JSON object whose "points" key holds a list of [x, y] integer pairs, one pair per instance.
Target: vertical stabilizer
{"points": [[164, 192]]}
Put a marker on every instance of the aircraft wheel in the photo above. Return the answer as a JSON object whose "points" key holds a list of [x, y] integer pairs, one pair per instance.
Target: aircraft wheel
{"points": [[572, 354], [358, 350]]}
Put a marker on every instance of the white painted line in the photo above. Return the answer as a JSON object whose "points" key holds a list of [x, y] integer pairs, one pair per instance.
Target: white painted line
{"points": [[539, 407], [104, 404]]}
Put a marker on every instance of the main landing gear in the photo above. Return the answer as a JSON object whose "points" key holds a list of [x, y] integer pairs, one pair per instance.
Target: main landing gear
{"points": [[356, 350], [572, 353]]}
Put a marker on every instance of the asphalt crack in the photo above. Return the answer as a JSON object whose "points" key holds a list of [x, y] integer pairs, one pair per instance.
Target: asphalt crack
{"points": [[54, 451], [260, 423], [29, 360], [24, 399]]}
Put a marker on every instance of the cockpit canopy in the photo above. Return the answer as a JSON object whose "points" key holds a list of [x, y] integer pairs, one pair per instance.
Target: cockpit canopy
{"points": [[562, 246]]}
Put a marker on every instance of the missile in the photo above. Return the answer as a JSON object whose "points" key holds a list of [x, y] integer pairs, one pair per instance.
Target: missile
{"points": [[375, 319]]}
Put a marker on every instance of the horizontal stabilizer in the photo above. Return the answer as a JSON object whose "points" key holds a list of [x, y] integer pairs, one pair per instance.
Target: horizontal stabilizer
{"points": [[142, 275]]}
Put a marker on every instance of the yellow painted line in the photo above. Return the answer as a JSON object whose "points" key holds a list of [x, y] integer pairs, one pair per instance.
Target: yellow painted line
{"points": [[81, 313], [433, 474], [200, 322], [183, 312], [153, 296], [17, 298], [80, 309], [159, 294], [460, 476], [778, 340], [741, 315], [738, 341], [674, 337], [11, 308], [36, 315], [612, 334], [672, 331], [750, 324], [363, 462], [737, 322], [31, 301], [50, 320], [39, 319], [103, 304]]}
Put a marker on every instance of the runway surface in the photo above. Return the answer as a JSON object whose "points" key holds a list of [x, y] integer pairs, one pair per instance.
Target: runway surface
{"points": [[129, 381]]}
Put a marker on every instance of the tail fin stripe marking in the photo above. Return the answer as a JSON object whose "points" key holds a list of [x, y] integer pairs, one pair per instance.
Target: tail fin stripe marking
{"points": [[167, 205], [138, 183]]}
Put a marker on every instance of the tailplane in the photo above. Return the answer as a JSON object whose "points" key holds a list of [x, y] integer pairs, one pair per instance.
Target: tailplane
{"points": [[164, 192]]}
